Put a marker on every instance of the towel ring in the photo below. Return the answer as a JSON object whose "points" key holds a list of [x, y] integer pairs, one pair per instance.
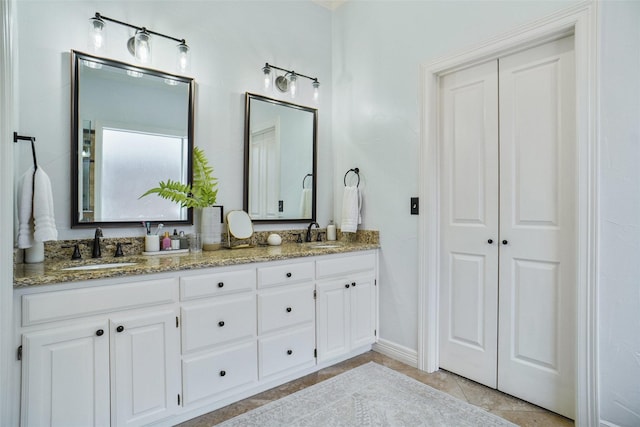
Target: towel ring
{"points": [[357, 172], [305, 179]]}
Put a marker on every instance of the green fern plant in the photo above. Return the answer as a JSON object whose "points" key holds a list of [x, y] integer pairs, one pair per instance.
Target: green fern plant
{"points": [[201, 193]]}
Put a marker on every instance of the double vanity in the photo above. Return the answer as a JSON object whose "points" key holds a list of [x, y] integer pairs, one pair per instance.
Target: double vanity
{"points": [[158, 340], [129, 339]]}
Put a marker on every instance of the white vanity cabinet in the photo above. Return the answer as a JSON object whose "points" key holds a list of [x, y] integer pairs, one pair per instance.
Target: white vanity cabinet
{"points": [[346, 304], [129, 352], [92, 364], [286, 317], [219, 350]]}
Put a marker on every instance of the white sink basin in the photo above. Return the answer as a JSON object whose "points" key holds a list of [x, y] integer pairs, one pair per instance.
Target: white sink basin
{"points": [[99, 266]]}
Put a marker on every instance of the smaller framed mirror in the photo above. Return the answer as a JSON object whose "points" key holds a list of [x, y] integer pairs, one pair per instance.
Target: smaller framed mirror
{"points": [[280, 160]]}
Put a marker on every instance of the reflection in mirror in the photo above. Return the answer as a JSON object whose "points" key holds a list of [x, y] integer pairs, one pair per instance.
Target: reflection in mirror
{"points": [[280, 160], [131, 128]]}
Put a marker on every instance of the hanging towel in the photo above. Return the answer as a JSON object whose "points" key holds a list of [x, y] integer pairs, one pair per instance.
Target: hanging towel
{"points": [[36, 218], [305, 203], [25, 209], [351, 202]]}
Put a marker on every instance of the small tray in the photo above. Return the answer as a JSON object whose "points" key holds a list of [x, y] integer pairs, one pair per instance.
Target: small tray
{"points": [[169, 252]]}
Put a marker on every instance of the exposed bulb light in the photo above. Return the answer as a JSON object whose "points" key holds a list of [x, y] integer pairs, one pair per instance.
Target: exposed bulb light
{"points": [[288, 82], [266, 70], [142, 43], [139, 45], [184, 62], [96, 34], [293, 85]]}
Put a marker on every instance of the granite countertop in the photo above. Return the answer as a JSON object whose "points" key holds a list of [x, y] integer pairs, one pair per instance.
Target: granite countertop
{"points": [[51, 271]]}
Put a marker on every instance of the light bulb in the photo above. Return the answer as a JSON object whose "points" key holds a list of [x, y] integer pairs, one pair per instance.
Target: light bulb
{"points": [[316, 90], [267, 77], [96, 34], [143, 46], [183, 57], [293, 85]]}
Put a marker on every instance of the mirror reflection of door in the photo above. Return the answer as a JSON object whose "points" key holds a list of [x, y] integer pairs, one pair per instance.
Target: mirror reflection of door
{"points": [[264, 175]]}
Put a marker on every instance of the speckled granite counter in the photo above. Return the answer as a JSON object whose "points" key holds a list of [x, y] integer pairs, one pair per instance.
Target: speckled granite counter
{"points": [[51, 271]]}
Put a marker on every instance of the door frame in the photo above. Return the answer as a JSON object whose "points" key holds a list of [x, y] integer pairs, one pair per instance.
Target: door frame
{"points": [[581, 21]]}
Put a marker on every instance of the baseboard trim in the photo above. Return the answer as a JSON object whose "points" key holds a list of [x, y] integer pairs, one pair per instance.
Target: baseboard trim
{"points": [[397, 351]]}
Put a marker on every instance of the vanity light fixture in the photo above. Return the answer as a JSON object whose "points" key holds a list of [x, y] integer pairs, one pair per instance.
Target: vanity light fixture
{"points": [[289, 81], [140, 44]]}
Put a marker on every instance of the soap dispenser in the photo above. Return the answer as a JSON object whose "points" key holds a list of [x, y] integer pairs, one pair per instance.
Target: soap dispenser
{"points": [[166, 241], [331, 231]]}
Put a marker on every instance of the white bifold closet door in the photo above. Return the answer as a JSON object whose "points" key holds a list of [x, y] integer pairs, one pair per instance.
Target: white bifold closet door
{"points": [[508, 224]]}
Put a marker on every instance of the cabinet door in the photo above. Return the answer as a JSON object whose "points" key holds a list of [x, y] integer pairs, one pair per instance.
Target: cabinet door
{"points": [[363, 309], [145, 367], [65, 376], [332, 318]]}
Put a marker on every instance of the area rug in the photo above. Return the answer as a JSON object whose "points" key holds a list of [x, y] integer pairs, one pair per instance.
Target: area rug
{"points": [[369, 395]]}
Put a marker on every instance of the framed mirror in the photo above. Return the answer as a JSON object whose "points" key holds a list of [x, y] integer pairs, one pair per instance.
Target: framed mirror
{"points": [[131, 128], [280, 160]]}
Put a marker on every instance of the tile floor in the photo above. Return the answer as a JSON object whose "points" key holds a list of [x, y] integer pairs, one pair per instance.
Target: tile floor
{"points": [[498, 403]]}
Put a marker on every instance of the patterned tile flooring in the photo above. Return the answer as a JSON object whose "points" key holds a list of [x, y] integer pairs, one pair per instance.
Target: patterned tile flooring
{"points": [[508, 407]]}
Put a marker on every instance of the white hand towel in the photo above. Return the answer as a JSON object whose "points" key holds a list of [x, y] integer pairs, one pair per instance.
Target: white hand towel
{"points": [[305, 203], [350, 210], [25, 210], [44, 219], [36, 219]]}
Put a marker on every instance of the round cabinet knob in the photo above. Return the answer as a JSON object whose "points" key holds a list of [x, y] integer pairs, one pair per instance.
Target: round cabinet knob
{"points": [[120, 328], [220, 284], [490, 241], [504, 242], [353, 284], [99, 332], [223, 373], [347, 286], [288, 274], [289, 352], [221, 323], [288, 309]]}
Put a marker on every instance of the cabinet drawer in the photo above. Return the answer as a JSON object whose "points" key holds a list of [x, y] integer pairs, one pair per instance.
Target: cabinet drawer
{"points": [[345, 265], [218, 320], [213, 373], [221, 283], [283, 274], [59, 305], [285, 307], [285, 351]]}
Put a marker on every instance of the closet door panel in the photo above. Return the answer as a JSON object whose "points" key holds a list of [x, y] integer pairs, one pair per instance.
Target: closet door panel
{"points": [[537, 222], [469, 214]]}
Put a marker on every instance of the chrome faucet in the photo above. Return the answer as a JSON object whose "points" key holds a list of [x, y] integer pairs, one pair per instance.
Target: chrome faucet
{"points": [[96, 252], [308, 238]]}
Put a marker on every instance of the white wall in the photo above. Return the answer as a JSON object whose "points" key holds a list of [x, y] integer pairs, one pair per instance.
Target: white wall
{"points": [[377, 51], [619, 281], [230, 42]]}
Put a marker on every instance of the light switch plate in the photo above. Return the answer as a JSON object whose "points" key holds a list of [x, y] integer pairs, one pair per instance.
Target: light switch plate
{"points": [[415, 206]]}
